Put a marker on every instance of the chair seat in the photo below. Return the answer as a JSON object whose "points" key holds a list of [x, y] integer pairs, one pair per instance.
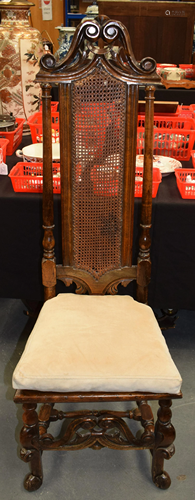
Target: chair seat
{"points": [[96, 343]]}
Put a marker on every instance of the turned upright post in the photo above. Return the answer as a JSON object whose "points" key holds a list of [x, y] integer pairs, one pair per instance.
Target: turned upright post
{"points": [[48, 260], [144, 262]]}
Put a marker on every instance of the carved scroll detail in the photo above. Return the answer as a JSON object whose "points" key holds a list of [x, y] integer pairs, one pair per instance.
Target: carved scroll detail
{"points": [[109, 31], [113, 288], [81, 286], [93, 429]]}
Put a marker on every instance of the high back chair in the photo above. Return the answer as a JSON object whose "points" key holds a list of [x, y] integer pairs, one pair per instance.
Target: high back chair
{"points": [[94, 345]]}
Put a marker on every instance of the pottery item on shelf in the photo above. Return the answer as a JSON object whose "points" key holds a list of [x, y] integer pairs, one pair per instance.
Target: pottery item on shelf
{"points": [[66, 34], [20, 50], [166, 164], [161, 66], [174, 74], [189, 70]]}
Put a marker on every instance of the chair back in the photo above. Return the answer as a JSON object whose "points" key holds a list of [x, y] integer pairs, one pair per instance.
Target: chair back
{"points": [[98, 85]]}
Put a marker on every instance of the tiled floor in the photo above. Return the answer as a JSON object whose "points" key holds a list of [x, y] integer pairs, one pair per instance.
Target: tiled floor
{"points": [[88, 474]]}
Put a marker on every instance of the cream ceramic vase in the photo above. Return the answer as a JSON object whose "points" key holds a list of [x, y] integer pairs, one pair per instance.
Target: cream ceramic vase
{"points": [[20, 50], [65, 39]]}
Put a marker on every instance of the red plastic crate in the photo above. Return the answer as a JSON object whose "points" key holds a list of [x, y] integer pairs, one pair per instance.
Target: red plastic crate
{"points": [[157, 178], [28, 177], [185, 111], [186, 189], [14, 137], [193, 157], [173, 136], [35, 124], [3, 146], [192, 109]]}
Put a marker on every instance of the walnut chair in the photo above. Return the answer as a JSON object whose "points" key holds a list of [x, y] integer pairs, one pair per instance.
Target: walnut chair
{"points": [[94, 345]]}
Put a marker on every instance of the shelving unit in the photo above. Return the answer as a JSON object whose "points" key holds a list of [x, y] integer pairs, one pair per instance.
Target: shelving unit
{"points": [[71, 16]]}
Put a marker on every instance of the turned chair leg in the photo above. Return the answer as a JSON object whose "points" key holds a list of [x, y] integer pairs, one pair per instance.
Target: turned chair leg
{"points": [[164, 447], [30, 451]]}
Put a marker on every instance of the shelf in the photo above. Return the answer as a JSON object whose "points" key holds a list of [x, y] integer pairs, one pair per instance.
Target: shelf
{"points": [[75, 16], [71, 16], [185, 84]]}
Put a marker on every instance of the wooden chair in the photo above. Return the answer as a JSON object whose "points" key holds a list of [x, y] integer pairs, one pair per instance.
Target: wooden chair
{"points": [[94, 345]]}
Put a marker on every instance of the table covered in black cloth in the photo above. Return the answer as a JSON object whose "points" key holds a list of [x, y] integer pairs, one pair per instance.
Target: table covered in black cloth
{"points": [[173, 244]]}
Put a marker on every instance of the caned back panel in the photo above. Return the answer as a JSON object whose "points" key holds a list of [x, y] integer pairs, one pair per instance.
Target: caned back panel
{"points": [[98, 146]]}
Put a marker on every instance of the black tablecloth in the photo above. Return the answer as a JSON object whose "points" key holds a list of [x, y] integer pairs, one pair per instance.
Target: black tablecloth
{"points": [[173, 244]]}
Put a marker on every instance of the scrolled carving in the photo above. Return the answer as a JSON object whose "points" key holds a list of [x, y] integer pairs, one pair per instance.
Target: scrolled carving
{"points": [[26, 455], [82, 47], [92, 31], [148, 64], [68, 281], [48, 61], [168, 452], [110, 32], [113, 288], [81, 286], [95, 430]]}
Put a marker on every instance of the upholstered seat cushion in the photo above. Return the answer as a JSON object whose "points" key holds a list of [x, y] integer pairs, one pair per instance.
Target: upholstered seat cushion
{"points": [[96, 343]]}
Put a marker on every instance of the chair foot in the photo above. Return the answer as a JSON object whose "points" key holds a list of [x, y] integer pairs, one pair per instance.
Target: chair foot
{"points": [[168, 319], [164, 447], [162, 481], [32, 483], [30, 452]]}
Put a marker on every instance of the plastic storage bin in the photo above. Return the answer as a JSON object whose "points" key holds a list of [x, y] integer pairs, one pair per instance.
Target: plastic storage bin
{"points": [[28, 177], [173, 136], [14, 137], [35, 124], [193, 157], [157, 177], [3, 145], [186, 187]]}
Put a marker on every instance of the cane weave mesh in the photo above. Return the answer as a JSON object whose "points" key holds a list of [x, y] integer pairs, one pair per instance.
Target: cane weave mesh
{"points": [[98, 114]]}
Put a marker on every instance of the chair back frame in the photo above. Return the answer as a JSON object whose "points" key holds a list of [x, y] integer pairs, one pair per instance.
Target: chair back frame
{"points": [[92, 51]]}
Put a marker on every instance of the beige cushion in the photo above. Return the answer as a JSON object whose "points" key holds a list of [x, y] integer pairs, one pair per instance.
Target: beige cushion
{"points": [[96, 343]]}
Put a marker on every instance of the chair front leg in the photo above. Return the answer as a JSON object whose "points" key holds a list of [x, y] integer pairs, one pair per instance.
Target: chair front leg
{"points": [[30, 451], [164, 447]]}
